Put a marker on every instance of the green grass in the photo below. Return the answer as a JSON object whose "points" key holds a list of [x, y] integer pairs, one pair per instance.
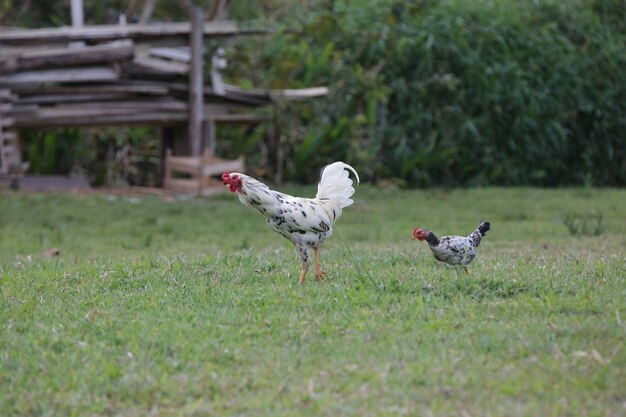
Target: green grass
{"points": [[192, 308]]}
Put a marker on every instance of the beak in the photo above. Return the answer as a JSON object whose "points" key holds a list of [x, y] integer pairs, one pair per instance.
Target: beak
{"points": [[414, 237]]}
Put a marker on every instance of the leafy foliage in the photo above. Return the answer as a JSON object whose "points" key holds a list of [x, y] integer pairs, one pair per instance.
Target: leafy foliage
{"points": [[453, 92], [107, 156]]}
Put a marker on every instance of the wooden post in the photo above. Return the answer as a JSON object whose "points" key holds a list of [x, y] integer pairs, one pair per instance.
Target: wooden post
{"points": [[78, 16], [130, 10], [280, 152], [148, 8], [209, 135], [78, 20], [196, 81], [218, 10]]}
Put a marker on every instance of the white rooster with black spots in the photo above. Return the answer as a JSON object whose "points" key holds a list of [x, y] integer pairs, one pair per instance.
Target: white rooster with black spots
{"points": [[306, 222], [457, 251]]}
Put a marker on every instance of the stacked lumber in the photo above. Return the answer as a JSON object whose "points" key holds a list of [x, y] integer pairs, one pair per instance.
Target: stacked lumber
{"points": [[120, 75], [123, 75], [104, 84], [11, 166]]}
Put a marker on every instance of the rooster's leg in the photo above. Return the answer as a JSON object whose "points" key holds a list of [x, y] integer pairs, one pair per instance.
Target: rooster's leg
{"points": [[305, 269], [319, 274], [466, 271], [305, 257]]}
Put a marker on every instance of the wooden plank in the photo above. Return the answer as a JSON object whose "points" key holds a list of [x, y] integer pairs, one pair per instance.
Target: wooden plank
{"points": [[9, 150], [105, 109], [76, 112], [161, 65], [6, 121], [122, 87], [15, 110], [196, 82], [101, 33], [219, 166], [70, 98], [67, 75], [237, 118], [210, 95], [299, 94], [119, 114], [9, 136], [7, 96], [122, 105], [66, 57], [173, 54], [109, 104], [125, 118], [269, 95]]}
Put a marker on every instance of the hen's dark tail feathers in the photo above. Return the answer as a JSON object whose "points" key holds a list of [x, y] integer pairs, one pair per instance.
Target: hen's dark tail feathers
{"points": [[484, 228]]}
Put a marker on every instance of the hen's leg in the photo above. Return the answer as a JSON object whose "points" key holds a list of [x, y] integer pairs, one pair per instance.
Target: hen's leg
{"points": [[305, 269], [305, 257], [466, 271], [319, 274]]}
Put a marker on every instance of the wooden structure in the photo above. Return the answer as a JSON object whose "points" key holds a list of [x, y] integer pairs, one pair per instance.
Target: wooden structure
{"points": [[127, 74], [11, 166], [199, 171]]}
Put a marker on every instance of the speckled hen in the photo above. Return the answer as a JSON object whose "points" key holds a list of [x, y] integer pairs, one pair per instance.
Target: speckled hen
{"points": [[306, 222], [457, 251]]}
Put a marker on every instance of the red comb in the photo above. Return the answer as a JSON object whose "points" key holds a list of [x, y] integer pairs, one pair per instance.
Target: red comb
{"points": [[226, 177]]}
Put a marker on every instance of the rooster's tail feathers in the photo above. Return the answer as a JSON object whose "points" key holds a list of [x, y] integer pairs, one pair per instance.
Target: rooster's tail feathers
{"points": [[484, 228], [336, 183], [477, 235]]}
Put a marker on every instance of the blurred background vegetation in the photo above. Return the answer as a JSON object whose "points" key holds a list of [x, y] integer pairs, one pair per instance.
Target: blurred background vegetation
{"points": [[424, 92]]}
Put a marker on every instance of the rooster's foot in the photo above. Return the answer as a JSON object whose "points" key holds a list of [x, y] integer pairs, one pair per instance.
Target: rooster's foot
{"points": [[320, 276]]}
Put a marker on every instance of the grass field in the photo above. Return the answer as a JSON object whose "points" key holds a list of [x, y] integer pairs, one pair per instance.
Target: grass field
{"points": [[192, 308]]}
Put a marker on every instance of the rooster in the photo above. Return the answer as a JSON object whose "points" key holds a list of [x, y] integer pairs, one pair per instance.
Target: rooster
{"points": [[454, 250], [306, 222]]}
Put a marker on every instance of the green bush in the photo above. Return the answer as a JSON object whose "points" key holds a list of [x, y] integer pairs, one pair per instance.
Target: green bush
{"points": [[458, 92], [106, 156]]}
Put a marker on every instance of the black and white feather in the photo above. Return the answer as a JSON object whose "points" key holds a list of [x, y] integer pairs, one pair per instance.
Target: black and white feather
{"points": [[306, 222], [458, 251]]}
